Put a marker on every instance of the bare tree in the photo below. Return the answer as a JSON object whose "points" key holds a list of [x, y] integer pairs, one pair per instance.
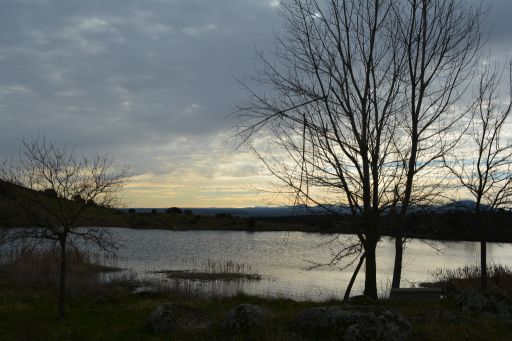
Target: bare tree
{"points": [[362, 103], [483, 163], [55, 189], [327, 134], [440, 40]]}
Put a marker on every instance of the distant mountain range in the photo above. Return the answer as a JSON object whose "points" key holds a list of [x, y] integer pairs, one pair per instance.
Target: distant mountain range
{"points": [[282, 211]]}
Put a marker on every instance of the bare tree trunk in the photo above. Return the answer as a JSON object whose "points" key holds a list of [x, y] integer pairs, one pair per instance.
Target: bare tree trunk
{"points": [[399, 230], [370, 281], [483, 261], [62, 287], [353, 278], [399, 251], [483, 252]]}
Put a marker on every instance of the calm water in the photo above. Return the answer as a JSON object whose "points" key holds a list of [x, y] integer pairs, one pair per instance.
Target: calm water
{"points": [[282, 258]]}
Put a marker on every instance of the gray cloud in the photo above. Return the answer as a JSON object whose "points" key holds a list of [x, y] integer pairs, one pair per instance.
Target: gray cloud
{"points": [[122, 72], [140, 77]]}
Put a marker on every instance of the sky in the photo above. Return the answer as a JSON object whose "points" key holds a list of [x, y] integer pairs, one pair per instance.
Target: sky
{"points": [[153, 83]]}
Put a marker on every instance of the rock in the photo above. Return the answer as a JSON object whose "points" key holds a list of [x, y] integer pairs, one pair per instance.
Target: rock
{"points": [[379, 325], [485, 302], [361, 323], [169, 317], [436, 316], [245, 316], [325, 318]]}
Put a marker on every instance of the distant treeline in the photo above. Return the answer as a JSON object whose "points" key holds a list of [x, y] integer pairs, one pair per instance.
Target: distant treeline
{"points": [[440, 225], [449, 225]]}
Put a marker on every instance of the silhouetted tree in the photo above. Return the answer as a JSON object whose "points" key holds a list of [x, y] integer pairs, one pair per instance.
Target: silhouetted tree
{"points": [[440, 39], [49, 192], [78, 198], [330, 124], [42, 165], [483, 163], [174, 210], [360, 104]]}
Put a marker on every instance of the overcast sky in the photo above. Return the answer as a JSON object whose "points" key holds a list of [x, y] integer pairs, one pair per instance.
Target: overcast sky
{"points": [[151, 82]]}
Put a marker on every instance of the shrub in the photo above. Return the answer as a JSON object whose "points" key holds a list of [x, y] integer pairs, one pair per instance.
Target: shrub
{"points": [[50, 193], [223, 215], [174, 210]]}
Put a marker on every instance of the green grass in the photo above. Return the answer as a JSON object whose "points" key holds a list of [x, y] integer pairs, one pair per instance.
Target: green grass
{"points": [[31, 315]]}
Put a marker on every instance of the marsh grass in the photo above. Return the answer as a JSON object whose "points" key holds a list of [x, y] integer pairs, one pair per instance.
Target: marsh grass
{"points": [[210, 270], [39, 268], [461, 279]]}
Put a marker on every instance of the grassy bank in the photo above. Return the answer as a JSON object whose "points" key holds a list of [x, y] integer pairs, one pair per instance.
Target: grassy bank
{"points": [[30, 315], [99, 310]]}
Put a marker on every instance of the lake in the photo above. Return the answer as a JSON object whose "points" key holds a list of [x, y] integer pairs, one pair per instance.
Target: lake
{"points": [[282, 258]]}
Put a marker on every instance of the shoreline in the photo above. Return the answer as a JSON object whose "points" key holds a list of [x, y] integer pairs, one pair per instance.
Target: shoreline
{"points": [[303, 230]]}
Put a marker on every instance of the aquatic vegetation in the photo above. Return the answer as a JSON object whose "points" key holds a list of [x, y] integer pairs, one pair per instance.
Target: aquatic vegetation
{"points": [[210, 270]]}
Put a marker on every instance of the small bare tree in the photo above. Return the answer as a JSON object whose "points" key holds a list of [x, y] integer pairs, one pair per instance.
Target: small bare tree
{"points": [[440, 40], [55, 189], [483, 163]]}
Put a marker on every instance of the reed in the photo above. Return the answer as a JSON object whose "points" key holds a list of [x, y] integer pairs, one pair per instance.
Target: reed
{"points": [[210, 270], [464, 278], [28, 267]]}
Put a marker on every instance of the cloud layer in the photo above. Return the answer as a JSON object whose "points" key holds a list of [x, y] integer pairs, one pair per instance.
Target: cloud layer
{"points": [[152, 82]]}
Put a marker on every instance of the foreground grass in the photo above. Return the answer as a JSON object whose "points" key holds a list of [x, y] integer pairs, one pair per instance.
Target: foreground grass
{"points": [[110, 311], [118, 315]]}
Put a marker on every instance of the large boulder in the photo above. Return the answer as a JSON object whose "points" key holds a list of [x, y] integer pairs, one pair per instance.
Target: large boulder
{"points": [[245, 316], [325, 318], [383, 325], [485, 302], [361, 323], [168, 317], [436, 316]]}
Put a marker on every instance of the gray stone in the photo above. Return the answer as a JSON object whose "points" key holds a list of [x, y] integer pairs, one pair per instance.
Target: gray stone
{"points": [[169, 317], [485, 302], [357, 323], [436, 316], [379, 325], [245, 316], [325, 318]]}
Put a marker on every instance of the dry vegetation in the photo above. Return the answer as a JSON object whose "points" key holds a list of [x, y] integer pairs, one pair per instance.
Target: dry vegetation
{"points": [[29, 267], [468, 278], [212, 270]]}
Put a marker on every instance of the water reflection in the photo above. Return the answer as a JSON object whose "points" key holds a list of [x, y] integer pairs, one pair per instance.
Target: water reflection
{"points": [[282, 258]]}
